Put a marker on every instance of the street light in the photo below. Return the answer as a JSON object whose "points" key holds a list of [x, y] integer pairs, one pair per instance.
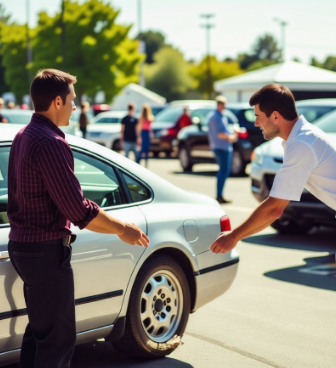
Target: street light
{"points": [[29, 48], [63, 36], [142, 46], [282, 24], [208, 26]]}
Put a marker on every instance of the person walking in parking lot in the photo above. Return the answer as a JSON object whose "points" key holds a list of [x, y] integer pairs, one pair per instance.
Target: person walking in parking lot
{"points": [[44, 196], [144, 132], [83, 120], [309, 162], [2, 118], [221, 139], [128, 134]]}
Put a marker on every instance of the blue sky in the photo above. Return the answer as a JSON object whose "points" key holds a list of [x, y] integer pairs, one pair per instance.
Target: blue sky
{"points": [[310, 32]]}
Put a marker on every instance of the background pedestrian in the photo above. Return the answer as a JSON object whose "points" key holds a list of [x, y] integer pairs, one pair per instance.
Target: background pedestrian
{"points": [[221, 139], [83, 120], [128, 134], [2, 118], [144, 132], [184, 120]]}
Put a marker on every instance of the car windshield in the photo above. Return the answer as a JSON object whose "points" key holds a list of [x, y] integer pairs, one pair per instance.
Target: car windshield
{"points": [[17, 118], [312, 113], [169, 115], [108, 120], [327, 123]]}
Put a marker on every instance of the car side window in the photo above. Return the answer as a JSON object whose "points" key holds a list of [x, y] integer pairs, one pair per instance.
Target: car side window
{"points": [[4, 159], [138, 191], [98, 181]]}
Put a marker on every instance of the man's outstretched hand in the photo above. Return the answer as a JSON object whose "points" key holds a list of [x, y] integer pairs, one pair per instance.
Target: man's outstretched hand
{"points": [[133, 235], [224, 243]]}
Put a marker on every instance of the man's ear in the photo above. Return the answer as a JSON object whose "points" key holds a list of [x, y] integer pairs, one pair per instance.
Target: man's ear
{"points": [[277, 116], [57, 102]]}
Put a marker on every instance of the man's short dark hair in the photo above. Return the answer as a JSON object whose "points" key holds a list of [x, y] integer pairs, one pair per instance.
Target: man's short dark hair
{"points": [[47, 85], [131, 106], [275, 97]]}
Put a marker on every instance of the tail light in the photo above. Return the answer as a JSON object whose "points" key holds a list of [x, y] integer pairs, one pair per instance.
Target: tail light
{"points": [[225, 224], [172, 131], [243, 134]]}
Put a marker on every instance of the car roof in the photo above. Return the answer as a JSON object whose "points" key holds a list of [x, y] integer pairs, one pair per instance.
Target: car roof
{"points": [[112, 114], [10, 112], [192, 102], [238, 105], [317, 102]]}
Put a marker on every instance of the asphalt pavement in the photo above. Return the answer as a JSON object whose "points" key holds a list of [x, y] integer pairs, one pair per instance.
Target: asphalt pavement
{"points": [[280, 311]]}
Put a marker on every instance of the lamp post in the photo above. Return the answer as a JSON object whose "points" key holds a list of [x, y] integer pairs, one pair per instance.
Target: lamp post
{"points": [[63, 41], [142, 46], [283, 25], [208, 26]]}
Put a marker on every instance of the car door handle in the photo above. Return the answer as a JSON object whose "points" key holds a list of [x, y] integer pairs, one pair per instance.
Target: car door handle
{"points": [[4, 254]]}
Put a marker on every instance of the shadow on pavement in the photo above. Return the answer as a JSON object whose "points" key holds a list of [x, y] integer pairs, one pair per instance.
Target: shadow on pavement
{"points": [[318, 272], [196, 173], [318, 240], [101, 354]]}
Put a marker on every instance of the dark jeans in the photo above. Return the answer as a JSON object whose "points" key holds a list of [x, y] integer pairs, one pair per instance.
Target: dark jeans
{"points": [[83, 130], [50, 335], [144, 146], [224, 160]]}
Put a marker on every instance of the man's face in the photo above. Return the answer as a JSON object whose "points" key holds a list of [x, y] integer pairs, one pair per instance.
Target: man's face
{"points": [[220, 106], [266, 124], [67, 109]]}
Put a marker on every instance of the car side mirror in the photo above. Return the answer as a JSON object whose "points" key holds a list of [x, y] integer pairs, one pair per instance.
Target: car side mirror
{"points": [[197, 121]]}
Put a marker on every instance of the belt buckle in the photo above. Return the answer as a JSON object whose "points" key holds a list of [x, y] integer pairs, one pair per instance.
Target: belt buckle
{"points": [[67, 240]]}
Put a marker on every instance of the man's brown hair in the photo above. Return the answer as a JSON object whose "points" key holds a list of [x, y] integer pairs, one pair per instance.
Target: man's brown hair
{"points": [[47, 85], [275, 97]]}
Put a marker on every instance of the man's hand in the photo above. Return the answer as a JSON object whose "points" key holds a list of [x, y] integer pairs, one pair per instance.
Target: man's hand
{"points": [[224, 243], [134, 236]]}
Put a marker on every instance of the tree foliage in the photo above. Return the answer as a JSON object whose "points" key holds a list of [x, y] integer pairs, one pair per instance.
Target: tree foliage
{"points": [[264, 52], [4, 19], [219, 70], [154, 42], [329, 63], [168, 75]]}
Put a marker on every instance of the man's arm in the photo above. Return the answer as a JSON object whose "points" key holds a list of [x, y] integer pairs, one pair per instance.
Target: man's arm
{"points": [[228, 137], [127, 232], [264, 215]]}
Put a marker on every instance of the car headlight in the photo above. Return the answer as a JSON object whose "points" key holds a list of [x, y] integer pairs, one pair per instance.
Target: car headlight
{"points": [[164, 132], [257, 157]]}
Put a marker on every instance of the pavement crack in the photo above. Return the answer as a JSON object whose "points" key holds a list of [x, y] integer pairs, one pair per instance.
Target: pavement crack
{"points": [[234, 349]]}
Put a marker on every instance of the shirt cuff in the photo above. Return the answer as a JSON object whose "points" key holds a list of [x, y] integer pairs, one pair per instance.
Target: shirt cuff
{"points": [[93, 210], [289, 197]]}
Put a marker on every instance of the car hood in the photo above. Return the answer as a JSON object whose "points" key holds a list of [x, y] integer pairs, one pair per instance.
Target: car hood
{"points": [[162, 125], [104, 128]]}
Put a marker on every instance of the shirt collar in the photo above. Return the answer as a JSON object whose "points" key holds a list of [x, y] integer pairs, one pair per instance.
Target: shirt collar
{"points": [[297, 126], [40, 119]]}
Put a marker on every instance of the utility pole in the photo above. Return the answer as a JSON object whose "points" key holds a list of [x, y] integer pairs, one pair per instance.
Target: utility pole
{"points": [[283, 25], [142, 46], [208, 26], [29, 47], [63, 41]]}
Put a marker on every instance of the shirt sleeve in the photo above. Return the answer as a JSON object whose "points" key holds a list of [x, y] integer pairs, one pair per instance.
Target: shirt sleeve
{"points": [[290, 180], [57, 169], [216, 126]]}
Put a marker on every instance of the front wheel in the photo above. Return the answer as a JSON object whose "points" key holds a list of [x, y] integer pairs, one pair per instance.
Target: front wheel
{"points": [[238, 164], [185, 159], [158, 309]]}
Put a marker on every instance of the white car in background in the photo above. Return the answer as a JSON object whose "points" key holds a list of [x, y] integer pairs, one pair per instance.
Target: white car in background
{"points": [[298, 217], [138, 298], [105, 129]]}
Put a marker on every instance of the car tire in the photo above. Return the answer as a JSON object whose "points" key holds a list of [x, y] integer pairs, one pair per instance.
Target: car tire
{"points": [[158, 309], [286, 226], [238, 164], [185, 159]]}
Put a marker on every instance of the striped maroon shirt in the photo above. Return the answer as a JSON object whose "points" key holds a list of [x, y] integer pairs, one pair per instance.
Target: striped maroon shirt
{"points": [[44, 195]]}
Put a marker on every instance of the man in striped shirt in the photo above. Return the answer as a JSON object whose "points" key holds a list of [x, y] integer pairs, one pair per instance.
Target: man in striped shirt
{"points": [[44, 197]]}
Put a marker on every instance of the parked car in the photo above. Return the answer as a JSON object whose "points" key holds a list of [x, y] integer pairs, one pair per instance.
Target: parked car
{"points": [[23, 117], [298, 217], [105, 129], [314, 109], [165, 126], [193, 144], [148, 292]]}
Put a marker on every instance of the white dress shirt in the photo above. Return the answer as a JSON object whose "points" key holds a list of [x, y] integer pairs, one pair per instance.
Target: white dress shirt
{"points": [[309, 161]]}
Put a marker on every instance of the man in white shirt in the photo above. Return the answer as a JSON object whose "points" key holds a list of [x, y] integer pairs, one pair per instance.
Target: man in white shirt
{"points": [[309, 161]]}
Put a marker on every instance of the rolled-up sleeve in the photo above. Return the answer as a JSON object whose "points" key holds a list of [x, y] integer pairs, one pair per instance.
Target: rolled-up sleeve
{"points": [[56, 163]]}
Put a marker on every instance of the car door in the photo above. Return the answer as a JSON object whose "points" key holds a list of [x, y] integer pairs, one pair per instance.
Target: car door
{"points": [[102, 263]]}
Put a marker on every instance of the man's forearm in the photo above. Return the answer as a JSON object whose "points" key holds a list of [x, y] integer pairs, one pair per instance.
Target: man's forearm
{"points": [[103, 223]]}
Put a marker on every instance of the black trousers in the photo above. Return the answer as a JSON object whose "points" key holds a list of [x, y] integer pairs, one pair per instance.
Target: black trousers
{"points": [[83, 130], [50, 336]]}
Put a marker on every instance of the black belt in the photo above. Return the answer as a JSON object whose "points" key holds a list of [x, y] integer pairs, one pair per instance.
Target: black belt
{"points": [[67, 240]]}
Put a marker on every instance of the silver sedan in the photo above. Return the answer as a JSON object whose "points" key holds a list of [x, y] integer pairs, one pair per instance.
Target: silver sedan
{"points": [[137, 298]]}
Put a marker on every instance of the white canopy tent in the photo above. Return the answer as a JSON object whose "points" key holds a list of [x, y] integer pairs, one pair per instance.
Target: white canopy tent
{"points": [[137, 94], [303, 80]]}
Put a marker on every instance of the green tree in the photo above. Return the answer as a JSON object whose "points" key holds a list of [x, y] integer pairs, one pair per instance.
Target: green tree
{"points": [[219, 70], [154, 42], [4, 20], [14, 58], [97, 50], [264, 52], [168, 75], [329, 63]]}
